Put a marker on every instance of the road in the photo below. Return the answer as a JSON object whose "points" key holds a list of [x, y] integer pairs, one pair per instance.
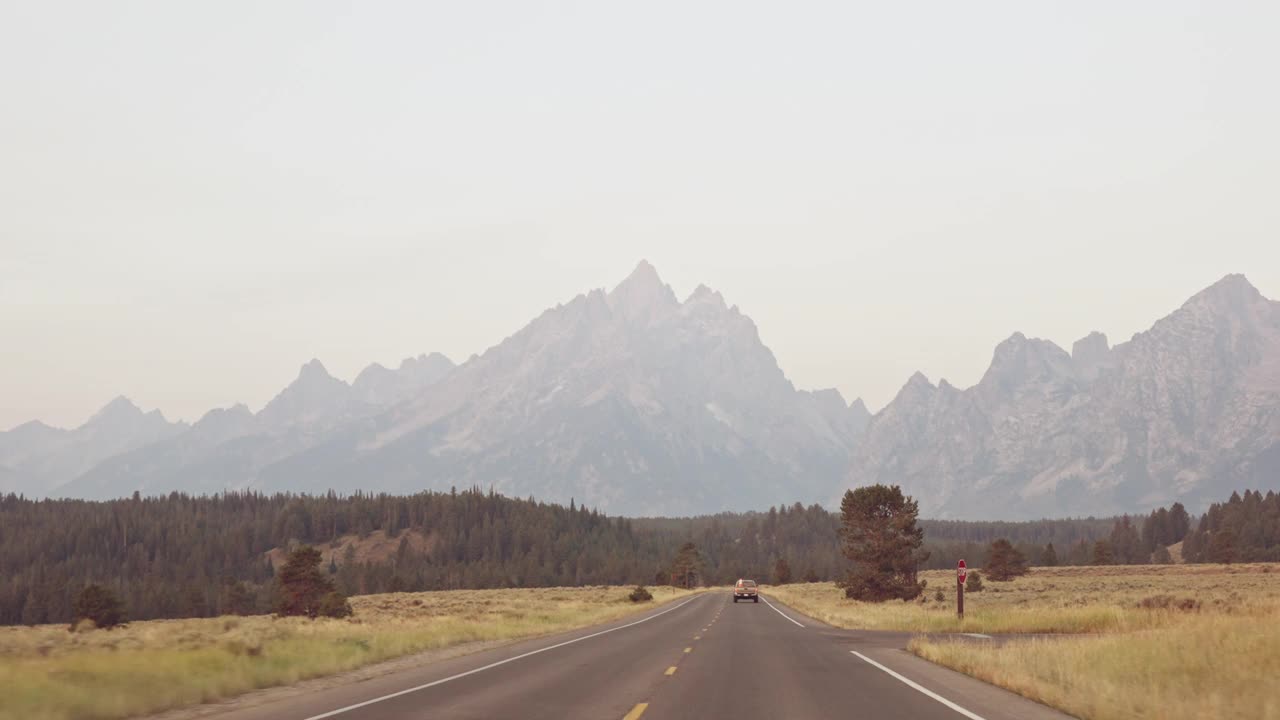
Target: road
{"points": [[704, 657]]}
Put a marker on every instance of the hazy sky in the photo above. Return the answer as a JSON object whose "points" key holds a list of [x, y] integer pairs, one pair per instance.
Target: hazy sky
{"points": [[196, 198]]}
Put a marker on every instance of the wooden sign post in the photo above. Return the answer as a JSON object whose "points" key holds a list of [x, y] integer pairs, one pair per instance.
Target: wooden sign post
{"points": [[962, 572]]}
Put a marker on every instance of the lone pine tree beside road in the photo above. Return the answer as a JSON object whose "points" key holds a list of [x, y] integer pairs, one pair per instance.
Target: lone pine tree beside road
{"points": [[881, 540]]}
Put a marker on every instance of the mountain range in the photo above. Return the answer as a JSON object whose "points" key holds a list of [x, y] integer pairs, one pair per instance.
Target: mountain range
{"points": [[1187, 411], [638, 403]]}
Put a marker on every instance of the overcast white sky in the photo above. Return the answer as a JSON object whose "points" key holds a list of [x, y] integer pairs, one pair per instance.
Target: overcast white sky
{"points": [[196, 198]]}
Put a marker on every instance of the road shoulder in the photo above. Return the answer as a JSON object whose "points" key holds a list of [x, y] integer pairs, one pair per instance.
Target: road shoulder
{"points": [[888, 648]]}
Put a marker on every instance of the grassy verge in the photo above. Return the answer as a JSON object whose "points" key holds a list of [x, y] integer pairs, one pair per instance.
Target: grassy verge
{"points": [[1199, 667], [50, 674], [1054, 600], [1174, 642]]}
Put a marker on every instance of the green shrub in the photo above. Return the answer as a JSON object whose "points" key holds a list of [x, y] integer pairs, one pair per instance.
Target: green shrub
{"points": [[100, 605], [973, 583], [640, 594], [334, 605]]}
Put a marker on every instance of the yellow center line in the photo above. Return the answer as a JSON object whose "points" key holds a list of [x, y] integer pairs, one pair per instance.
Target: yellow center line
{"points": [[636, 712], [697, 637], [688, 649], [671, 670]]}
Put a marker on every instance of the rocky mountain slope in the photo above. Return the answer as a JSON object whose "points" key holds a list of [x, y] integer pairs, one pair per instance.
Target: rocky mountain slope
{"points": [[38, 457], [227, 448], [630, 401], [1188, 410], [636, 402]]}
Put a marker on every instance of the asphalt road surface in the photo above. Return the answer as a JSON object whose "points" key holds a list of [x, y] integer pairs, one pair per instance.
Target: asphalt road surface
{"points": [[704, 657]]}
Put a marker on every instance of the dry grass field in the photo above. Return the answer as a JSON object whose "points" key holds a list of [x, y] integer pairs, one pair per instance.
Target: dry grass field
{"points": [[1163, 641], [1055, 600], [49, 673]]}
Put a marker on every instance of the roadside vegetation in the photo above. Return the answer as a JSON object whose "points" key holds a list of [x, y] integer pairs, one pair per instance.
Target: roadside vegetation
{"points": [[1193, 641], [1215, 660], [49, 673], [1056, 600]]}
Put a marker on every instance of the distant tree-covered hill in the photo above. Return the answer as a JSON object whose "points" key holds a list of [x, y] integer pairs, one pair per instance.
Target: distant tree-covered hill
{"points": [[183, 556]]}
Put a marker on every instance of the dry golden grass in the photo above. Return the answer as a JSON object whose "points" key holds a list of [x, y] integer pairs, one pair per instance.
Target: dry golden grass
{"points": [[49, 673], [1216, 657], [1054, 600], [1201, 667]]}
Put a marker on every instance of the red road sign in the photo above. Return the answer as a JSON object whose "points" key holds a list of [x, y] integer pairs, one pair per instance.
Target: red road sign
{"points": [[962, 570]]}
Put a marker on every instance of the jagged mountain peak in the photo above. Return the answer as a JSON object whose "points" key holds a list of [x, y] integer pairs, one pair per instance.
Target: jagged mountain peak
{"points": [[916, 387], [425, 361], [34, 427], [705, 295], [120, 408], [380, 386], [1184, 410], [237, 410], [1018, 350], [314, 370], [1091, 353], [1231, 297], [315, 396], [1232, 289], [643, 274], [919, 379], [1090, 346], [641, 295], [225, 422], [377, 367], [1020, 361]]}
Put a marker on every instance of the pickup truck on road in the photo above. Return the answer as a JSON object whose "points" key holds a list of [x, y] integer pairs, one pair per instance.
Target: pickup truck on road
{"points": [[745, 590]]}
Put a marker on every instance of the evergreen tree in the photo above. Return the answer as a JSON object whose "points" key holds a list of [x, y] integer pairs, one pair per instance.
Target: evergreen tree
{"points": [[781, 572], [1049, 558], [300, 585], [1102, 554], [236, 598], [1179, 523], [1222, 546], [1004, 562], [687, 566], [882, 543], [1126, 543], [100, 605]]}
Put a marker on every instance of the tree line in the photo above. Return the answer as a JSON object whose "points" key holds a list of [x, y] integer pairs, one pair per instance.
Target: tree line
{"points": [[1243, 529], [186, 556]]}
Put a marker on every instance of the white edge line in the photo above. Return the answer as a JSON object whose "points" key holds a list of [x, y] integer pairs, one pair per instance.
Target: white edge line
{"points": [[978, 635], [766, 602], [490, 666], [916, 686]]}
